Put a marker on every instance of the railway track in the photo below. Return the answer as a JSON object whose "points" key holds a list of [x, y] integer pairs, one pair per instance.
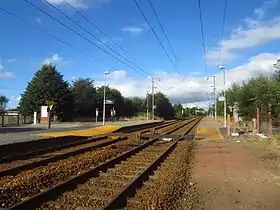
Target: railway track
{"points": [[12, 165], [127, 172], [14, 189]]}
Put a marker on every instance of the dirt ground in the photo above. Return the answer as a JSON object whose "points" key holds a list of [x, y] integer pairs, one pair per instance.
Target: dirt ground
{"points": [[229, 175]]}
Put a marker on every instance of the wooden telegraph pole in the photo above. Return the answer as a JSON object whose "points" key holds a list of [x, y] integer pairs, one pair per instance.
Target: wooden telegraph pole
{"points": [[269, 120], [50, 106], [258, 119]]}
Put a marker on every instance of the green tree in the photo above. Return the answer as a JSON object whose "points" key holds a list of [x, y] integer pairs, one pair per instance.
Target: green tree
{"points": [[131, 109], [259, 91], [3, 103], [178, 110], [47, 85], [84, 97], [139, 104], [164, 108]]}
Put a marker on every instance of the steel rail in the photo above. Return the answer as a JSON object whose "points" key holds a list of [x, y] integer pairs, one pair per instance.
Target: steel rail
{"points": [[28, 166], [55, 191], [119, 200], [17, 169], [83, 140]]}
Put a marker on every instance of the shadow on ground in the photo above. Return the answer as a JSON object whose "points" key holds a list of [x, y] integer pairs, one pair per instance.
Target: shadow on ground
{"points": [[19, 129]]}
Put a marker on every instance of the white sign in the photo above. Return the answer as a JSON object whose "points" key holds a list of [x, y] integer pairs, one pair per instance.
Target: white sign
{"points": [[109, 101], [44, 113], [96, 112], [221, 98]]}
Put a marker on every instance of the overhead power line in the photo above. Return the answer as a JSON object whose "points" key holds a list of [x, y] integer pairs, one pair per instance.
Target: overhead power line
{"points": [[92, 35], [202, 35], [155, 34], [79, 34], [161, 26], [97, 28], [222, 31], [53, 36]]}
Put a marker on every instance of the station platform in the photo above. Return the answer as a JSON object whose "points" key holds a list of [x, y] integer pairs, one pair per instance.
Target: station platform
{"points": [[227, 175], [84, 132], [209, 129], [11, 135]]}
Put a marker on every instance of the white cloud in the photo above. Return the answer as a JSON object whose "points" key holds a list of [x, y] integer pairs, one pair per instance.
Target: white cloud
{"points": [[194, 90], [74, 3], [133, 30], [14, 98], [195, 73], [3, 73], [260, 12], [38, 20], [255, 32], [79, 3], [12, 60], [53, 59], [117, 75]]}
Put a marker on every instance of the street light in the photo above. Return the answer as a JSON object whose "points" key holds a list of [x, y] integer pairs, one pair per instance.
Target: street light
{"points": [[214, 92], [225, 103], [104, 102]]}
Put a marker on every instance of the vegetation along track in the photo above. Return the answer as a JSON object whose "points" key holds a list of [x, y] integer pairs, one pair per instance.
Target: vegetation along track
{"points": [[14, 189], [12, 165], [125, 168]]}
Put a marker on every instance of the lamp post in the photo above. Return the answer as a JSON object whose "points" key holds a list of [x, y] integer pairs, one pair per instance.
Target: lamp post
{"points": [[147, 105], [225, 103], [214, 95], [104, 97]]}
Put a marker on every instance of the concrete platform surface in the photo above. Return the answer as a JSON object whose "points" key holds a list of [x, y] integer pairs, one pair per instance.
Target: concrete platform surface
{"points": [[227, 176], [209, 129], [9, 135]]}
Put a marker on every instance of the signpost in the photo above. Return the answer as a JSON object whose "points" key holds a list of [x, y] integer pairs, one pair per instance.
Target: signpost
{"points": [[96, 114], [110, 101], [47, 112], [221, 98]]}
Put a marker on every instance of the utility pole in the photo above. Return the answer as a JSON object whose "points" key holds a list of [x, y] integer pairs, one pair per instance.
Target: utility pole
{"points": [[214, 95], [214, 90], [104, 97], [153, 98], [147, 105], [225, 102], [269, 119]]}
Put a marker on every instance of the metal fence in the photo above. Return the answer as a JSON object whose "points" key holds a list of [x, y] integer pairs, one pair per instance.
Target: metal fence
{"points": [[14, 120]]}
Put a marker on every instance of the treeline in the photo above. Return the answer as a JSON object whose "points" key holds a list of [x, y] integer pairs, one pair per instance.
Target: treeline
{"points": [[81, 98], [180, 111], [261, 91]]}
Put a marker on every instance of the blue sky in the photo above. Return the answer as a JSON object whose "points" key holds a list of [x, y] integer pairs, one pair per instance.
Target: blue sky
{"points": [[251, 37]]}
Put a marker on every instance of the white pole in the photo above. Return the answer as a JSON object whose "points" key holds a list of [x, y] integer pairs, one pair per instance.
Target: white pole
{"points": [[225, 103], [35, 118], [104, 97], [215, 103], [147, 105], [153, 98]]}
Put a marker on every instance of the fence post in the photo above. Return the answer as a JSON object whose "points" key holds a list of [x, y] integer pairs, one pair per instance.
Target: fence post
{"points": [[17, 119], [228, 125], [269, 120], [2, 119], [258, 119]]}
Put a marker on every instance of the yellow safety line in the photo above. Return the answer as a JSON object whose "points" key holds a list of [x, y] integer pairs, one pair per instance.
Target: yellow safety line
{"points": [[85, 132]]}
